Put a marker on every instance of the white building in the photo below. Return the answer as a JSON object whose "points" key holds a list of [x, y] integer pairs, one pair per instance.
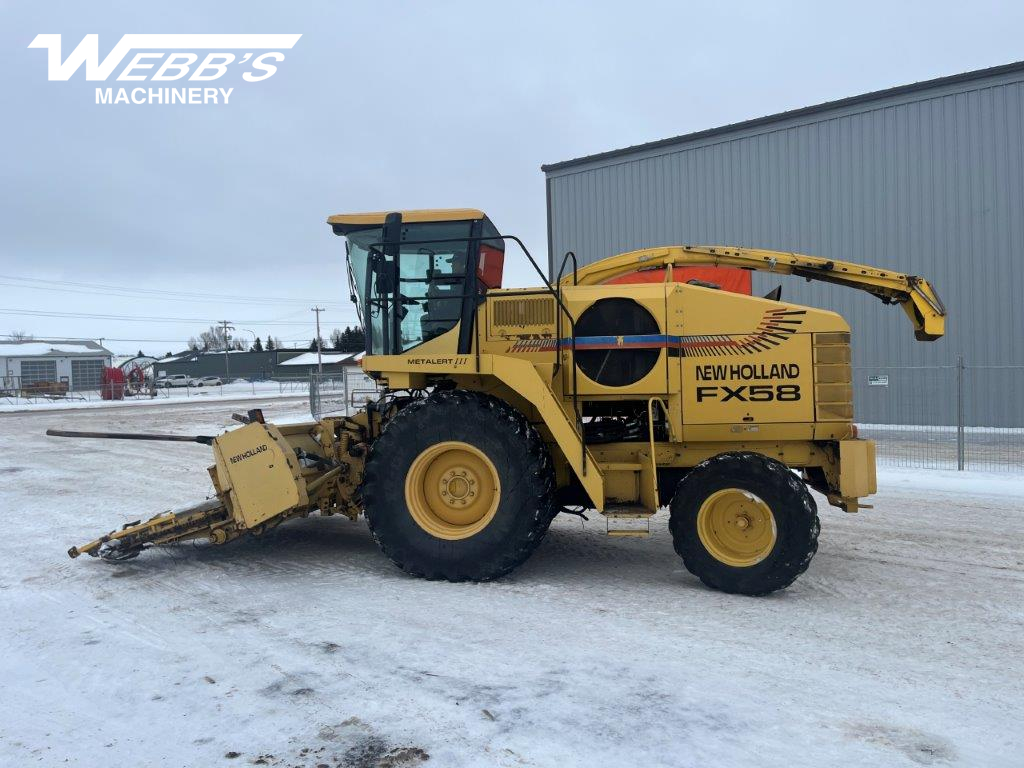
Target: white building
{"points": [[75, 362]]}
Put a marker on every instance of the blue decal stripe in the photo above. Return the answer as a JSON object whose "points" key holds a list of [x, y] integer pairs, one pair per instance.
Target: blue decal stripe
{"points": [[656, 340]]}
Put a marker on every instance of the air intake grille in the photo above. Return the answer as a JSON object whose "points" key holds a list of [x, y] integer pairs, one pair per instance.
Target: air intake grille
{"points": [[833, 380], [523, 312]]}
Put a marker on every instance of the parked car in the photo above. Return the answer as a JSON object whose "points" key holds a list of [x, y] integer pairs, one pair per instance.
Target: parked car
{"points": [[206, 381], [177, 380]]}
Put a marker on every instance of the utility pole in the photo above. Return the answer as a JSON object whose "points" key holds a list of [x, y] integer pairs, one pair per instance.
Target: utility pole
{"points": [[319, 344], [227, 365]]}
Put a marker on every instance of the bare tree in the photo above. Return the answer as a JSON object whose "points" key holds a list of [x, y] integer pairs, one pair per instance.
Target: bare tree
{"points": [[214, 338], [336, 339], [21, 336]]}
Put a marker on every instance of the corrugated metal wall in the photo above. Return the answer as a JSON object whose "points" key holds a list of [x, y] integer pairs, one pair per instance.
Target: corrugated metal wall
{"points": [[929, 182]]}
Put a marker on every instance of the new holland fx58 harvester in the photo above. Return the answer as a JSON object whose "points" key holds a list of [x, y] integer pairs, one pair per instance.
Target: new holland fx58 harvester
{"points": [[500, 408]]}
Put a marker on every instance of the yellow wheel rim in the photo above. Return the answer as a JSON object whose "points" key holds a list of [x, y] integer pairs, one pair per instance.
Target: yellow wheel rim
{"points": [[452, 490], [736, 527]]}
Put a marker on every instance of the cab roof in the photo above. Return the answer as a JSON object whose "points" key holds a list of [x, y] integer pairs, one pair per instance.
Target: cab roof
{"points": [[343, 222]]}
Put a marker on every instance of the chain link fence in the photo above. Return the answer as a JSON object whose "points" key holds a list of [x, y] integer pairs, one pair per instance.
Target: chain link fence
{"points": [[335, 394], [929, 417], [943, 417]]}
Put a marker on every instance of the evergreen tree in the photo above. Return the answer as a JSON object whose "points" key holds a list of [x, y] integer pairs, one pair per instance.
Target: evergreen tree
{"points": [[257, 346], [270, 344], [351, 340]]}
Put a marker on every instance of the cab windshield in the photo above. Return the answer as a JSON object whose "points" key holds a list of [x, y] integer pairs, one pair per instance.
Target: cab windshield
{"points": [[416, 294]]}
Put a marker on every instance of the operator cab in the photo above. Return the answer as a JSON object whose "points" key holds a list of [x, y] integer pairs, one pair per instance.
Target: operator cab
{"points": [[415, 275]]}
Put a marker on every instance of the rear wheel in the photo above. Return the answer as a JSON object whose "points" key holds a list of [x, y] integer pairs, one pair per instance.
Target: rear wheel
{"points": [[458, 486], [744, 523]]}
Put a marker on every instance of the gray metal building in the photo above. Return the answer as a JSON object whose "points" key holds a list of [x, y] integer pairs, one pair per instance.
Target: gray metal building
{"points": [[926, 178], [247, 365], [256, 366]]}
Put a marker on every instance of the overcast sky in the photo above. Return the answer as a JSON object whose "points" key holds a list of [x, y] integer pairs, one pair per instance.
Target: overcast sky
{"points": [[384, 106]]}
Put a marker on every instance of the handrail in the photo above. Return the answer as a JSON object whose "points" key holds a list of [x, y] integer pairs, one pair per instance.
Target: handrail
{"points": [[558, 346], [650, 432], [575, 267]]}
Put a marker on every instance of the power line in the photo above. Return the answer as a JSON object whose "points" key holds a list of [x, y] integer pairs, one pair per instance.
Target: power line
{"points": [[94, 287], [149, 298], [143, 319], [69, 337], [93, 338], [66, 337]]}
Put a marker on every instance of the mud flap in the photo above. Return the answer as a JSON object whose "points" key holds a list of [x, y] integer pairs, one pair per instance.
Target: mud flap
{"points": [[857, 468]]}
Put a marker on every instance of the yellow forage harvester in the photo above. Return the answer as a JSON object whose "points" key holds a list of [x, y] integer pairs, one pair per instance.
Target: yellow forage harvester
{"points": [[500, 408]]}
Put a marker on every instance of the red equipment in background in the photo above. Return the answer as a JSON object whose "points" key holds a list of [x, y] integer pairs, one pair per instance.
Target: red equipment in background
{"points": [[728, 278], [135, 379], [112, 384]]}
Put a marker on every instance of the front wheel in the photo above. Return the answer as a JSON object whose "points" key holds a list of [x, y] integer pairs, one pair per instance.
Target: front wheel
{"points": [[459, 486], [744, 523]]}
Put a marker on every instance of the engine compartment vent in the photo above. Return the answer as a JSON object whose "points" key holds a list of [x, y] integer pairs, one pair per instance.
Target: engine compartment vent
{"points": [[519, 313], [833, 377]]}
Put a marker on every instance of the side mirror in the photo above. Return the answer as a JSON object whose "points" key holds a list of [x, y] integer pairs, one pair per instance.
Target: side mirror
{"points": [[385, 272]]}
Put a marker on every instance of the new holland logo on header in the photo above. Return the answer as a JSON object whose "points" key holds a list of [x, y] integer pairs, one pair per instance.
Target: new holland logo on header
{"points": [[167, 58]]}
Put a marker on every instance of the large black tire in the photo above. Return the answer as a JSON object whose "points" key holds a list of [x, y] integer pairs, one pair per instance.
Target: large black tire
{"points": [[792, 510], [525, 505]]}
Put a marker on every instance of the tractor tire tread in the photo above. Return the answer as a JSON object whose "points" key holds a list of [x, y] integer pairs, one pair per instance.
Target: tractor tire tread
{"points": [[798, 532], [482, 412]]}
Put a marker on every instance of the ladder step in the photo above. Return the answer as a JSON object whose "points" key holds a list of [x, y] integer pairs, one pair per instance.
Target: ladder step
{"points": [[627, 513], [627, 521]]}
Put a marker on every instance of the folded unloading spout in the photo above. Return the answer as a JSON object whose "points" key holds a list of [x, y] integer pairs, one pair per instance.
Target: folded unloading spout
{"points": [[918, 298]]}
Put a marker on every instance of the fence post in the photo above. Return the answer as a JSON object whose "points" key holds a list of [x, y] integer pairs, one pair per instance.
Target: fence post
{"points": [[344, 390], [960, 413], [314, 396]]}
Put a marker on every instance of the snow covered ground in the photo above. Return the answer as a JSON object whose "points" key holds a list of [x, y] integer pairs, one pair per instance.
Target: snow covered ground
{"points": [[901, 646]]}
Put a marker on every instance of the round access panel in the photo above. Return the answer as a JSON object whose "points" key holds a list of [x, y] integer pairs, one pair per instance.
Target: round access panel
{"points": [[606, 361]]}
